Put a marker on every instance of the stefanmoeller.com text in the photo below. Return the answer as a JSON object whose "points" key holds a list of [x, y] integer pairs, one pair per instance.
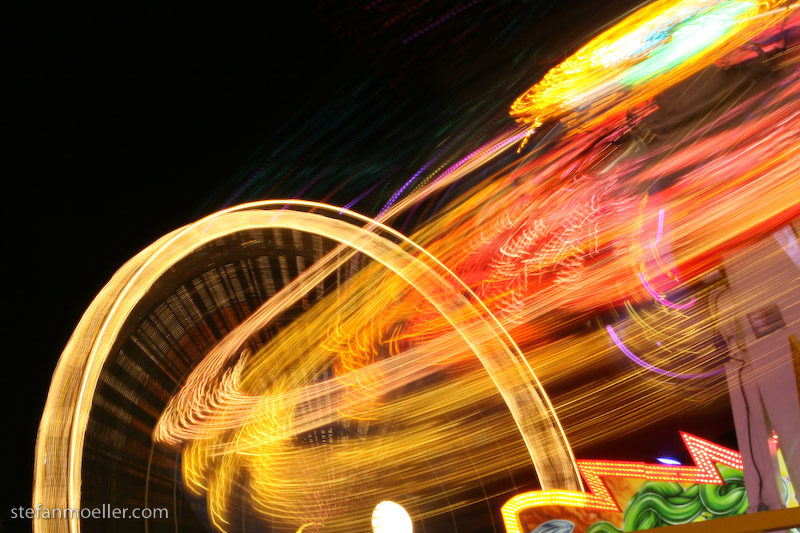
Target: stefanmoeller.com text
{"points": [[104, 511]]}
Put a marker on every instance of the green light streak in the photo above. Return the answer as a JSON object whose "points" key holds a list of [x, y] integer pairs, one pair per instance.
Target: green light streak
{"points": [[689, 39]]}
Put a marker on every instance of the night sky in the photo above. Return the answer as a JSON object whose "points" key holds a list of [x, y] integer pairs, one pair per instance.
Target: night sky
{"points": [[125, 122]]}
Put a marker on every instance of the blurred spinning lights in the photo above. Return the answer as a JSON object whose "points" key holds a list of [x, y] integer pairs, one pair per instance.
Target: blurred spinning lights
{"points": [[652, 49], [526, 247]]}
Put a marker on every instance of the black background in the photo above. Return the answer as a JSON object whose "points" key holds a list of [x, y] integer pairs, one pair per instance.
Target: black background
{"points": [[122, 118]]}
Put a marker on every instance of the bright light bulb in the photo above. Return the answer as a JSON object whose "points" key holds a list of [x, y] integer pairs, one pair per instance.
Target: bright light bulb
{"points": [[389, 517]]}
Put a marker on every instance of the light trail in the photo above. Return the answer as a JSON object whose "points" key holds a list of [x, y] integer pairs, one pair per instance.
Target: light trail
{"points": [[656, 47], [481, 332], [644, 364], [542, 244]]}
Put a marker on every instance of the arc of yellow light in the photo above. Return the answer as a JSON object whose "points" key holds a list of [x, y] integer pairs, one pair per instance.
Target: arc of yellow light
{"points": [[75, 379]]}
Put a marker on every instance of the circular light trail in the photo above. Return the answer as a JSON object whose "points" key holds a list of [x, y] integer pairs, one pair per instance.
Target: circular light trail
{"points": [[77, 375]]}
